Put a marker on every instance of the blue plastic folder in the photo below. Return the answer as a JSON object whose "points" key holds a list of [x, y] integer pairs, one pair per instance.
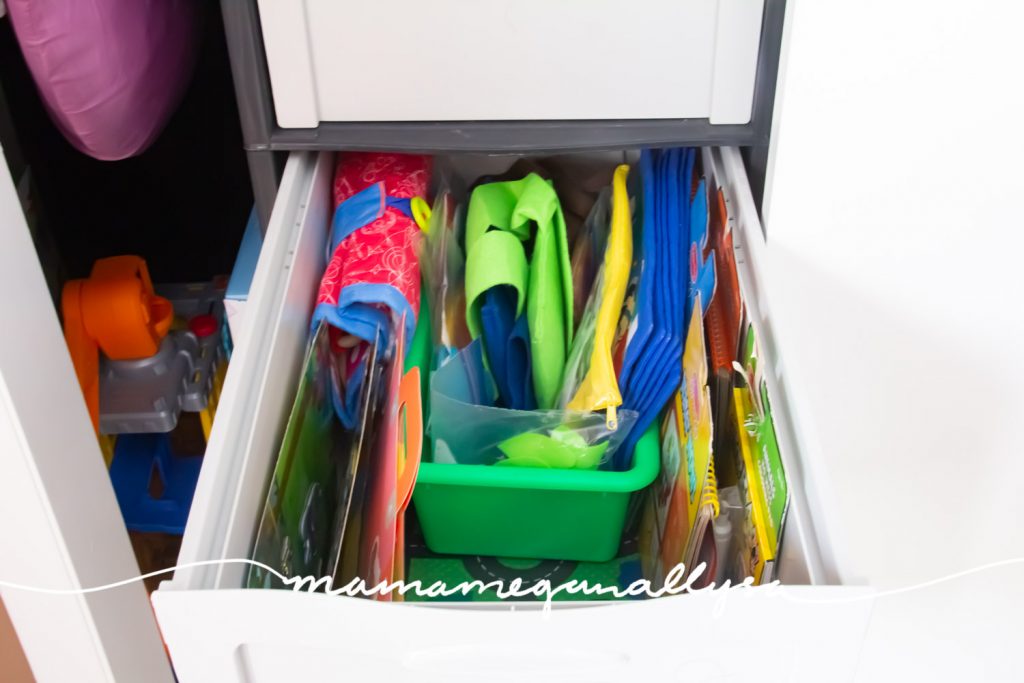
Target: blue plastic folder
{"points": [[671, 230], [674, 227]]}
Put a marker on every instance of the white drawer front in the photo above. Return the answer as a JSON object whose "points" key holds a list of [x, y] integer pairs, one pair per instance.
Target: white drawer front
{"points": [[216, 631], [448, 60], [243, 635]]}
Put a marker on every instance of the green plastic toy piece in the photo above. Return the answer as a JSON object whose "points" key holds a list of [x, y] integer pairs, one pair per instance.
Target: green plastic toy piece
{"points": [[564, 449]]}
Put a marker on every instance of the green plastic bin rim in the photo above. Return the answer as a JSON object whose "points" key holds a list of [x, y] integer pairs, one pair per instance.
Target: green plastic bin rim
{"points": [[646, 460]]}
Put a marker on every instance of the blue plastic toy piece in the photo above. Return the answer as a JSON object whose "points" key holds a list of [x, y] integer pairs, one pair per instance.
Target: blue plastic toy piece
{"points": [[137, 459]]}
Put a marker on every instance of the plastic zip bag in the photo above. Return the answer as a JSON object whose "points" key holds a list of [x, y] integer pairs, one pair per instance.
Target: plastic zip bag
{"points": [[590, 380], [466, 428], [504, 221], [443, 265]]}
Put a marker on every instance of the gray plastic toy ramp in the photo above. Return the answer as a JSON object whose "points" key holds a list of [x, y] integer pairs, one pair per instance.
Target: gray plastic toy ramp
{"points": [[148, 394]]}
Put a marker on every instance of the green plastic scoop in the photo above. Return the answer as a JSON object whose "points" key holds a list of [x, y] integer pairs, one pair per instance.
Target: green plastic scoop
{"points": [[564, 449], [500, 219]]}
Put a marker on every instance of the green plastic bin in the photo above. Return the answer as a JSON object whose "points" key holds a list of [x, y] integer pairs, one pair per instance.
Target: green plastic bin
{"points": [[525, 512], [530, 512]]}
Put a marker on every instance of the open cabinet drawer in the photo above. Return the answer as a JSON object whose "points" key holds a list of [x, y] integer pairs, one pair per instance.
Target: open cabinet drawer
{"points": [[808, 629]]}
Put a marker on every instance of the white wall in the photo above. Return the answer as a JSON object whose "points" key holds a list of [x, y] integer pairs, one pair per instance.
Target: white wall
{"points": [[896, 249]]}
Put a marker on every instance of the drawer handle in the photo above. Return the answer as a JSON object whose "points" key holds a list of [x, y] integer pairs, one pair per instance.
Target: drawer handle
{"points": [[495, 660]]}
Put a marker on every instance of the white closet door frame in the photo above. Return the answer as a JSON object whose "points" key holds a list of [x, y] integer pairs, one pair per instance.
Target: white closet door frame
{"points": [[60, 526]]}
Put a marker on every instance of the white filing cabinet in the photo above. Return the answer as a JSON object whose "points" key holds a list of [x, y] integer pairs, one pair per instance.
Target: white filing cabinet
{"points": [[574, 96], [215, 630]]}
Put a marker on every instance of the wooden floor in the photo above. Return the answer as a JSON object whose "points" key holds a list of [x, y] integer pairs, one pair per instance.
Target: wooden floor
{"points": [[13, 666]]}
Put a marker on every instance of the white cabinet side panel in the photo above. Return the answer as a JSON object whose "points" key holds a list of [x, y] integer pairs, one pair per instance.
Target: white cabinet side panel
{"points": [[62, 528]]}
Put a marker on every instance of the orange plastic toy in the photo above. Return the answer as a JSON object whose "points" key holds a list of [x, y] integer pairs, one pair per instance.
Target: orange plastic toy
{"points": [[114, 310]]}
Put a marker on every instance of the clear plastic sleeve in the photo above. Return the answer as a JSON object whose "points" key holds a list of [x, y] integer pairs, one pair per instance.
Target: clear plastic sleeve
{"points": [[443, 265], [590, 382], [466, 428]]}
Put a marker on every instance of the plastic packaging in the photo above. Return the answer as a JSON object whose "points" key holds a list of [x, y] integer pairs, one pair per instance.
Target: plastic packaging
{"points": [[294, 535], [655, 323], [728, 528], [590, 378], [374, 245], [505, 220], [110, 72], [466, 428], [703, 272], [443, 265], [372, 279]]}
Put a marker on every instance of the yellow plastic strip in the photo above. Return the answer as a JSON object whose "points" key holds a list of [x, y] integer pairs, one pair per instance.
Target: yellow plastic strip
{"points": [[600, 388]]}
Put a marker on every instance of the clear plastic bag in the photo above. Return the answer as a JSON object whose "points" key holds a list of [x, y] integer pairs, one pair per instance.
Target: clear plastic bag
{"points": [[594, 232], [466, 428], [590, 381], [443, 265]]}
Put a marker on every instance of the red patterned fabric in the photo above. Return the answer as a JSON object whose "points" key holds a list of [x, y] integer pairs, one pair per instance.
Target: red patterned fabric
{"points": [[385, 251]]}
